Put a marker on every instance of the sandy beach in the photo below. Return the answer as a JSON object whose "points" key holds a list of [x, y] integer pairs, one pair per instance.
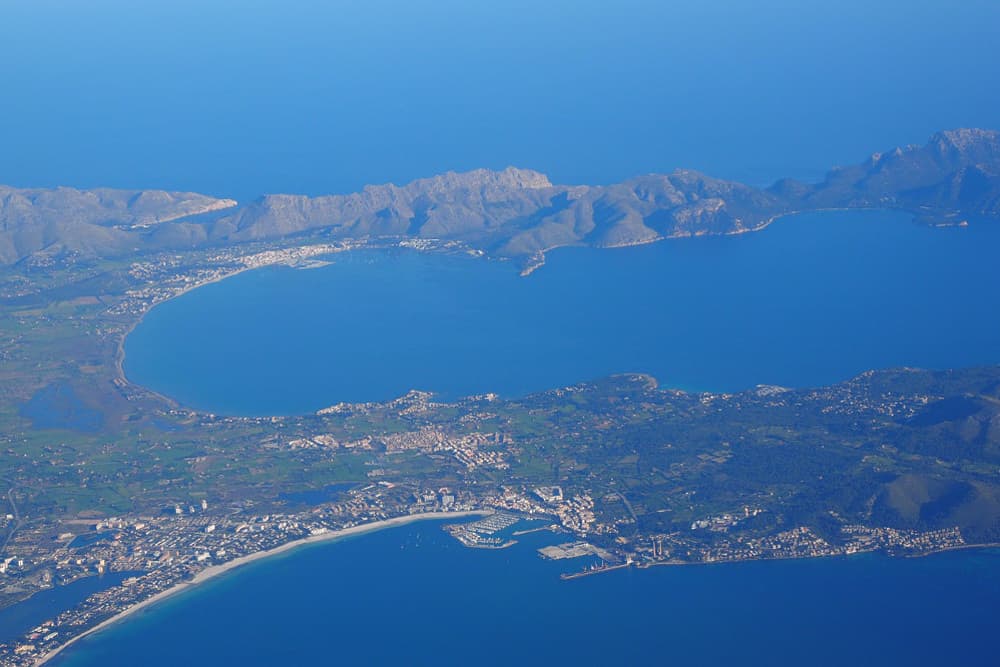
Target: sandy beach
{"points": [[216, 570]]}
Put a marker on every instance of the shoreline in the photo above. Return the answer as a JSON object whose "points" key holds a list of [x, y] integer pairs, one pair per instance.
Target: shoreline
{"points": [[879, 552], [120, 347], [962, 547], [531, 265], [119, 359], [214, 571], [537, 260]]}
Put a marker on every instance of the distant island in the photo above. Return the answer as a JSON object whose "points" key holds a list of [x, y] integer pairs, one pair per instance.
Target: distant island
{"points": [[100, 475], [515, 213]]}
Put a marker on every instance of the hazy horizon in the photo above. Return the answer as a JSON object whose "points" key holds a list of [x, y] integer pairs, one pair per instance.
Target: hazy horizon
{"points": [[304, 97]]}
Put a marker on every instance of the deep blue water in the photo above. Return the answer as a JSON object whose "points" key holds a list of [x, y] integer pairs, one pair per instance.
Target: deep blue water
{"points": [[240, 98], [413, 596], [811, 300], [316, 96]]}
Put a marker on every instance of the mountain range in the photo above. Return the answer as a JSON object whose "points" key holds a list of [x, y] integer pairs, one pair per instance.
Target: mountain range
{"points": [[513, 213]]}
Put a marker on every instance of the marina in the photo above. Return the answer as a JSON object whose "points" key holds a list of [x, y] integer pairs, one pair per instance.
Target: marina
{"points": [[483, 534], [638, 616]]}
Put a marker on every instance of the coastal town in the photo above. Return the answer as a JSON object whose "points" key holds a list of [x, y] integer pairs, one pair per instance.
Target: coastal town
{"points": [[498, 334], [619, 471], [186, 544]]}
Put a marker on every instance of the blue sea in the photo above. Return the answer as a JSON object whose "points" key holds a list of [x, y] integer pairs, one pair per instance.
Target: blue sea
{"points": [[811, 300], [238, 98], [414, 596], [306, 96]]}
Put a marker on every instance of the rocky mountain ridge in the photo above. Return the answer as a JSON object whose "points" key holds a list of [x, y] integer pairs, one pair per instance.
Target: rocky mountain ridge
{"points": [[956, 172], [513, 213], [101, 222]]}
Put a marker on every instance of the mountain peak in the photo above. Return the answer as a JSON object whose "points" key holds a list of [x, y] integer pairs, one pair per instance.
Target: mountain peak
{"points": [[971, 143], [511, 178]]}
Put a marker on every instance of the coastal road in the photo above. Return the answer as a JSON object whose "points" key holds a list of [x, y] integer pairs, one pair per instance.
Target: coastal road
{"points": [[14, 526]]}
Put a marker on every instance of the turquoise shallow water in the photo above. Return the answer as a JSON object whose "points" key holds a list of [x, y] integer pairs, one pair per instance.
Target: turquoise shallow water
{"points": [[414, 596], [811, 300]]}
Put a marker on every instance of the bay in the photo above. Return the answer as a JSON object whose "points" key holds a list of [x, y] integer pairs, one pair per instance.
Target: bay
{"points": [[813, 299], [236, 99], [414, 596]]}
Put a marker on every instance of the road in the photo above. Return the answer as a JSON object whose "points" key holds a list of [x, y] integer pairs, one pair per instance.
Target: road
{"points": [[13, 526], [628, 506]]}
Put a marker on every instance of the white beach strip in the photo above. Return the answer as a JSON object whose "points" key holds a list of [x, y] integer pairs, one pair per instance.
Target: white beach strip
{"points": [[216, 570]]}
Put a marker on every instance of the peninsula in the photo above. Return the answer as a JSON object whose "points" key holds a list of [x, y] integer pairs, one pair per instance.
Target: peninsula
{"points": [[516, 214], [315, 536], [102, 475]]}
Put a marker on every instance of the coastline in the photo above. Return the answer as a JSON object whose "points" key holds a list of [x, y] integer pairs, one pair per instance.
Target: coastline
{"points": [[120, 348], [963, 547], [532, 264], [537, 260], [119, 360], [923, 554], [301, 263], [214, 571]]}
